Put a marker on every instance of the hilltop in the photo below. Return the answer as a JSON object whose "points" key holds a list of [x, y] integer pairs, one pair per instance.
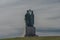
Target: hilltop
{"points": [[34, 38]]}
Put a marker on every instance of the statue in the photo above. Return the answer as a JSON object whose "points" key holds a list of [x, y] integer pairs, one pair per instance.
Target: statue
{"points": [[29, 18]]}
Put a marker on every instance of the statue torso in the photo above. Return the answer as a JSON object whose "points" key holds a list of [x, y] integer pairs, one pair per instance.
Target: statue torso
{"points": [[29, 18]]}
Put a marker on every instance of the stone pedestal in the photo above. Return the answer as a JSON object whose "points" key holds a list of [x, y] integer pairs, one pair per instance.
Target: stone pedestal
{"points": [[30, 31]]}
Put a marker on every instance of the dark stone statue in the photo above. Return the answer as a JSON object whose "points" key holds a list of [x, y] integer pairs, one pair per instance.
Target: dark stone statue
{"points": [[29, 18]]}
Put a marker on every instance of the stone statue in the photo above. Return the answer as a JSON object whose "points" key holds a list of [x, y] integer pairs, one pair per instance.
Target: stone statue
{"points": [[29, 18]]}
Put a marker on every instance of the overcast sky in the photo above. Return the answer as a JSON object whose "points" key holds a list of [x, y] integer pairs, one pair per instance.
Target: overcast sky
{"points": [[47, 15]]}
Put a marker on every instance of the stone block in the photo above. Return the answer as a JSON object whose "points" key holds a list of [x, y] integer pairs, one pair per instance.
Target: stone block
{"points": [[30, 31]]}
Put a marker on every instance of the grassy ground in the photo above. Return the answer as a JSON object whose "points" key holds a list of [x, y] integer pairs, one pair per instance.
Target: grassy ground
{"points": [[34, 38]]}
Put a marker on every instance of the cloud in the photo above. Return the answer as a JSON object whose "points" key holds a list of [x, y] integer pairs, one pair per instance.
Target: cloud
{"points": [[48, 16], [48, 34], [27, 3], [12, 15], [54, 18]]}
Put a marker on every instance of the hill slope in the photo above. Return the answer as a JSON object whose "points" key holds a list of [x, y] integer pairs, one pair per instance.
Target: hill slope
{"points": [[35, 38]]}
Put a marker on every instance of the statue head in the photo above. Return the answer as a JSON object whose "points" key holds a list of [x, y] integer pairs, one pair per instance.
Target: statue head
{"points": [[27, 11], [30, 11]]}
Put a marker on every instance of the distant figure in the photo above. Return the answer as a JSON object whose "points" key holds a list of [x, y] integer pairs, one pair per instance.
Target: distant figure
{"points": [[29, 18]]}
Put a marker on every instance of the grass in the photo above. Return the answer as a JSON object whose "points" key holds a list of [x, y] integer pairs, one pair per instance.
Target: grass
{"points": [[34, 38]]}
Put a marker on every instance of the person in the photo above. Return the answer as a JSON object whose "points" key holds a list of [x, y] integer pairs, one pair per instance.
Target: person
{"points": [[29, 18], [32, 19]]}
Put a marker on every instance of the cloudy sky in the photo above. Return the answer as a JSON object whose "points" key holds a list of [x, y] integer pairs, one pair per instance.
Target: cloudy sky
{"points": [[12, 24]]}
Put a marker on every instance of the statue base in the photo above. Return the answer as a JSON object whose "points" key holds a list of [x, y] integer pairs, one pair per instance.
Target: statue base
{"points": [[30, 31]]}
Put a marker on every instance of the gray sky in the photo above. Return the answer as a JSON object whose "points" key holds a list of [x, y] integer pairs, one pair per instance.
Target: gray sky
{"points": [[47, 15]]}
